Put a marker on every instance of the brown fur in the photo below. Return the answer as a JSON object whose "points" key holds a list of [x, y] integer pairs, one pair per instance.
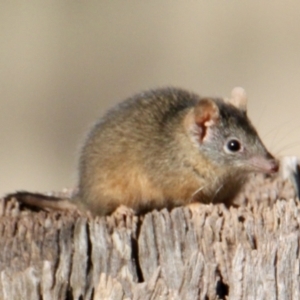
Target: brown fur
{"points": [[146, 153], [169, 147]]}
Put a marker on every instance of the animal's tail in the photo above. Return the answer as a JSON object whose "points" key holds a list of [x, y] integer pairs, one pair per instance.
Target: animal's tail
{"points": [[36, 201]]}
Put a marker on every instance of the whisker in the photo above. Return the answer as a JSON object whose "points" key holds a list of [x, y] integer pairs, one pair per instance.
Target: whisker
{"points": [[288, 146], [198, 190], [274, 139], [286, 135], [276, 128], [217, 191]]}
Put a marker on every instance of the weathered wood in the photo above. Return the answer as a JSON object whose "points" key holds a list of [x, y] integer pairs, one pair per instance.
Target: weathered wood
{"points": [[197, 252]]}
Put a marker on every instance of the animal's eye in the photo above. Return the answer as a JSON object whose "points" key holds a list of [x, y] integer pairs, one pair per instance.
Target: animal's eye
{"points": [[233, 145]]}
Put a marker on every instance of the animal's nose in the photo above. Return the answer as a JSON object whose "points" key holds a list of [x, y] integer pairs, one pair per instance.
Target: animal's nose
{"points": [[274, 166]]}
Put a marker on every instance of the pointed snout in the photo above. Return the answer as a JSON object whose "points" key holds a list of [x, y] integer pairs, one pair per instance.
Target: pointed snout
{"points": [[268, 164]]}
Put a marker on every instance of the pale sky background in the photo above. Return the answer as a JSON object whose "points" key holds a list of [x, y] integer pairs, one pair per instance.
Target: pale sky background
{"points": [[63, 63]]}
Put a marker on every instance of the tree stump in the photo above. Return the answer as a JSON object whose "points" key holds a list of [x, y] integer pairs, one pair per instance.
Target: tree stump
{"points": [[197, 252]]}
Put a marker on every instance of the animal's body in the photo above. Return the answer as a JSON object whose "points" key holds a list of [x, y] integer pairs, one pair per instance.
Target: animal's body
{"points": [[165, 148]]}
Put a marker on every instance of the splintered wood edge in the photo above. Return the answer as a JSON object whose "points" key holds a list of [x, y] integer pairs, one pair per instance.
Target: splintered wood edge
{"points": [[188, 253]]}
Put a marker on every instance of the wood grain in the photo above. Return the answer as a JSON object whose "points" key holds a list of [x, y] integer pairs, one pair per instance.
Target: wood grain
{"points": [[198, 252]]}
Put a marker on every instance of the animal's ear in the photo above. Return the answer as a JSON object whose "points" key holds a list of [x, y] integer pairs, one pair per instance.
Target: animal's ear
{"points": [[206, 112], [238, 99], [204, 115]]}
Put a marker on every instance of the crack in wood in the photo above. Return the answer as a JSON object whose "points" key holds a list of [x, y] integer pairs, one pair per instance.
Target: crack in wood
{"points": [[203, 252]]}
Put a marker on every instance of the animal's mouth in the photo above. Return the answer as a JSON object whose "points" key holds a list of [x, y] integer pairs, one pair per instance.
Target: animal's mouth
{"points": [[261, 164]]}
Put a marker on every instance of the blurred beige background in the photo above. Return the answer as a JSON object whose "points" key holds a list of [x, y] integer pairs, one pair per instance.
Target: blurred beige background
{"points": [[63, 63]]}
